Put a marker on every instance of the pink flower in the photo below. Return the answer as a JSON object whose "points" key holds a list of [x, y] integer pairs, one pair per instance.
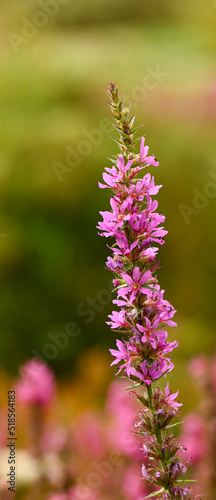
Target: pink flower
{"points": [[148, 373], [114, 265], [149, 160], [138, 221], [143, 187], [122, 243], [149, 254], [156, 234], [37, 384], [150, 331], [171, 397], [144, 472], [118, 320], [115, 175], [113, 221], [135, 284], [121, 354], [164, 347]]}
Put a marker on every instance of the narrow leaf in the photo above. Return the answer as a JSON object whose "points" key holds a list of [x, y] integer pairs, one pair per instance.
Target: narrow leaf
{"points": [[117, 127], [128, 266], [185, 481], [116, 140], [136, 141], [137, 128], [142, 400], [132, 119], [113, 160], [155, 493], [150, 287], [174, 425], [171, 460], [132, 386], [122, 331]]}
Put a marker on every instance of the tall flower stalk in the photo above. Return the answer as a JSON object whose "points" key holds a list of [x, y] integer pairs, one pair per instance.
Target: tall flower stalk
{"points": [[143, 354]]}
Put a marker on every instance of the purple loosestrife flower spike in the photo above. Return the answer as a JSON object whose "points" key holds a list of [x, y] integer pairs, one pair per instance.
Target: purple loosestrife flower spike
{"points": [[143, 355]]}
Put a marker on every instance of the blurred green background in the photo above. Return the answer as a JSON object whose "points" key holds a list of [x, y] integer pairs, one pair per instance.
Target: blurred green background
{"points": [[55, 67]]}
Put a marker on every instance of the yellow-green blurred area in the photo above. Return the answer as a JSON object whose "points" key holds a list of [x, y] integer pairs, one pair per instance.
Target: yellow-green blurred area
{"points": [[56, 60]]}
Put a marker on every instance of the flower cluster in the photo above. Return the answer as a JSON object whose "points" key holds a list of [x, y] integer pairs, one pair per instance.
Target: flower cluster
{"points": [[143, 355]]}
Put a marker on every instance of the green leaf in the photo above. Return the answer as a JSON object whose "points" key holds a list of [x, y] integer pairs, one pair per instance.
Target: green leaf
{"points": [[128, 266], [122, 331], [174, 425], [135, 314], [110, 104], [132, 386], [120, 130], [137, 128], [185, 481], [150, 287], [131, 121], [142, 400], [155, 493], [136, 141], [116, 140], [113, 160], [171, 460]]}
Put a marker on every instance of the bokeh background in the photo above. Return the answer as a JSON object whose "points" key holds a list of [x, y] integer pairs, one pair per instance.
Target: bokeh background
{"points": [[54, 74]]}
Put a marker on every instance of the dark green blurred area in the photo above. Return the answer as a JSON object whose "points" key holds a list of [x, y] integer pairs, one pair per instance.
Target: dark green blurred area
{"points": [[52, 90]]}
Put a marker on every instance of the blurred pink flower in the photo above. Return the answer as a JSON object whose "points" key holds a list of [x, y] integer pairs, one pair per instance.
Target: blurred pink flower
{"points": [[88, 435], [133, 487], [214, 373], [198, 366], [54, 440], [82, 493], [194, 437], [37, 383], [58, 496], [123, 410]]}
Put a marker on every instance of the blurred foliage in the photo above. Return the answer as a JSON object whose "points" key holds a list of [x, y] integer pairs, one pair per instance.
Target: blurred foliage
{"points": [[82, 422], [52, 90]]}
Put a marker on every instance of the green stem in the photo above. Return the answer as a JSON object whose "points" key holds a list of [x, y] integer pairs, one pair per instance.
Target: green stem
{"points": [[149, 391]]}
